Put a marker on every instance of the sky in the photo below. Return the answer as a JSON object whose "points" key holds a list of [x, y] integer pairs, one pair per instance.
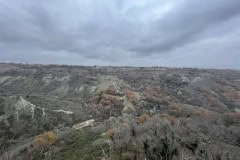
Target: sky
{"points": [[171, 33]]}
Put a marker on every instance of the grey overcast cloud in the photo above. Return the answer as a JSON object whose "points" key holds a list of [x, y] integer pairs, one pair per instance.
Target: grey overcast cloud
{"points": [[174, 33]]}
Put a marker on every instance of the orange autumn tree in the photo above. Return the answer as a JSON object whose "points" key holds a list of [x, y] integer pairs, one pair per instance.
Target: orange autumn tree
{"points": [[131, 96], [44, 140], [143, 118], [110, 133]]}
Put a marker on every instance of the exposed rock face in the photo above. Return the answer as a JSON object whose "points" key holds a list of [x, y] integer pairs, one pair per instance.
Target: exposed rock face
{"points": [[203, 104], [84, 124]]}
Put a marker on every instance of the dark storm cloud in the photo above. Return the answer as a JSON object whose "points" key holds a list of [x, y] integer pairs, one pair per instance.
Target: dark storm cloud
{"points": [[120, 32], [186, 23]]}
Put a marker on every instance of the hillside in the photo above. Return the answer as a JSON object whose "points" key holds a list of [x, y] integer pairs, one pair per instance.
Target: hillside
{"points": [[113, 113]]}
